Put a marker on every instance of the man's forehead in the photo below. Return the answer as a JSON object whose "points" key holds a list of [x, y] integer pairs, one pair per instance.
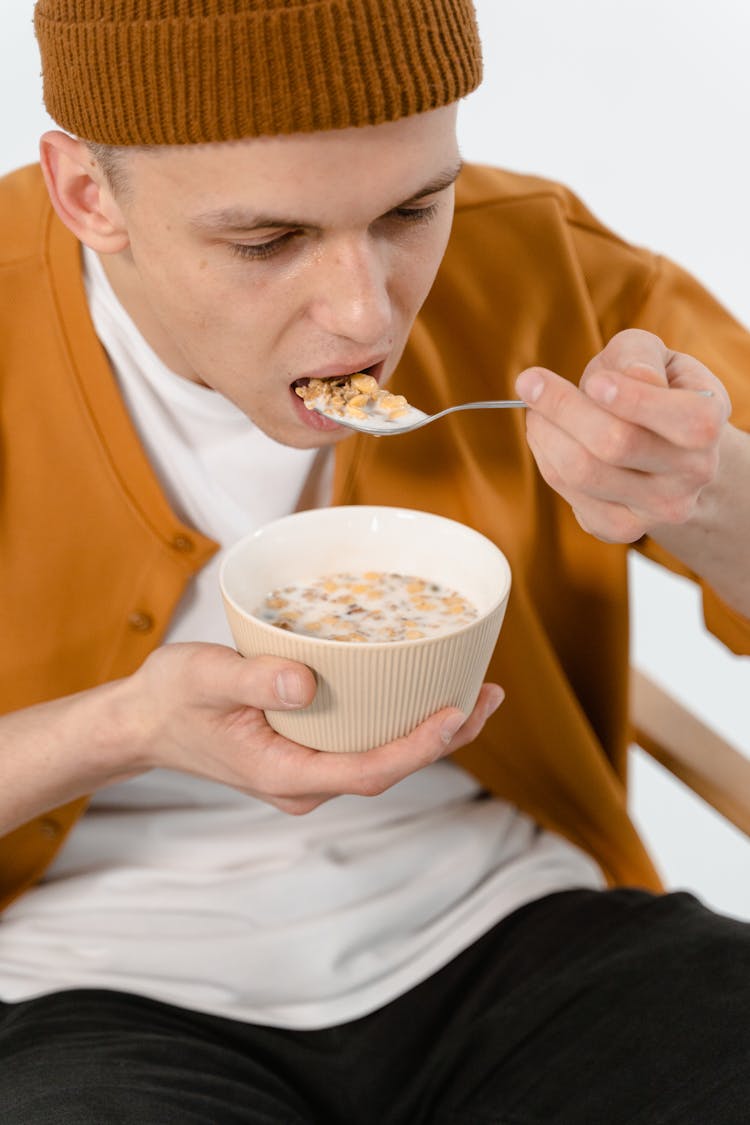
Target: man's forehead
{"points": [[240, 184]]}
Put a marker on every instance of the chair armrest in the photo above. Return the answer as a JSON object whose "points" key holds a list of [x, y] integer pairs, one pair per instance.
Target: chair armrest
{"points": [[697, 755]]}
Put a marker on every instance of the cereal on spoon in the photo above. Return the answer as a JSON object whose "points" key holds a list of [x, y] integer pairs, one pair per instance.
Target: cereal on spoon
{"points": [[352, 396]]}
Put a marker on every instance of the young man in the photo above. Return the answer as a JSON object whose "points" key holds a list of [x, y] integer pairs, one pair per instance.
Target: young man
{"points": [[246, 194]]}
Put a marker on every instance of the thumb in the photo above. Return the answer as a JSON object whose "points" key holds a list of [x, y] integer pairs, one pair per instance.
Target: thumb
{"points": [[272, 683]]}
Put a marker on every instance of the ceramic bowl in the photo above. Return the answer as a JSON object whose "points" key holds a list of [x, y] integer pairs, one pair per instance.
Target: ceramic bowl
{"points": [[369, 693]]}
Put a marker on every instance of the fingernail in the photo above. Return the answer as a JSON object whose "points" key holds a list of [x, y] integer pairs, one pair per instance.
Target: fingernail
{"points": [[601, 388], [529, 386], [451, 727], [288, 687]]}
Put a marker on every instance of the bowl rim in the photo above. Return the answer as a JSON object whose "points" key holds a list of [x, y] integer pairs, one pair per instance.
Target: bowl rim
{"points": [[370, 646]]}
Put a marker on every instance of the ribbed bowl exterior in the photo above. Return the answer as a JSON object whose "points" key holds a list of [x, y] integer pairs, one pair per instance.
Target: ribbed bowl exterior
{"points": [[369, 694]]}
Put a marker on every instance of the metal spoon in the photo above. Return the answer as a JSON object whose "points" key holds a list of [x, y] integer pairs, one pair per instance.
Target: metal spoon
{"points": [[379, 425], [412, 419]]}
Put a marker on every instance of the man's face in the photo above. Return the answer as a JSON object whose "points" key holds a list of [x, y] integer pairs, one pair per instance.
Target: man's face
{"points": [[254, 264]]}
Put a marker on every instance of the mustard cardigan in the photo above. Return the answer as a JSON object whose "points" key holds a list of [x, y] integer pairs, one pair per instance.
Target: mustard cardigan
{"points": [[93, 561]]}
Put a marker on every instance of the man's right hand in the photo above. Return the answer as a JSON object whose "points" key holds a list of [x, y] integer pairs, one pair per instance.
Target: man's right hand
{"points": [[199, 709]]}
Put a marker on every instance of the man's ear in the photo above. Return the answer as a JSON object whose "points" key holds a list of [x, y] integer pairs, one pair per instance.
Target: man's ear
{"points": [[80, 193]]}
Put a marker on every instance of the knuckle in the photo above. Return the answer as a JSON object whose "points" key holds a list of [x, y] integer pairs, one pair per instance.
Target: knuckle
{"points": [[630, 530], [578, 468], [675, 509], [192, 671], [617, 445], [703, 429], [623, 526], [620, 525], [375, 777], [370, 786], [632, 336], [629, 344], [550, 474], [295, 806], [703, 468], [553, 478], [262, 668]]}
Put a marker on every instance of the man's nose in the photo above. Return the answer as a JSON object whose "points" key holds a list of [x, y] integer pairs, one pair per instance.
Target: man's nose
{"points": [[352, 298]]}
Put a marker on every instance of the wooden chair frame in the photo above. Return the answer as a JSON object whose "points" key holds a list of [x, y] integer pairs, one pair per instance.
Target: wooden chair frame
{"points": [[707, 763]]}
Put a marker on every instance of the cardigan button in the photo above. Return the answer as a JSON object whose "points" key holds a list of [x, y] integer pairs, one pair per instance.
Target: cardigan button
{"points": [[140, 622], [183, 544], [49, 827]]}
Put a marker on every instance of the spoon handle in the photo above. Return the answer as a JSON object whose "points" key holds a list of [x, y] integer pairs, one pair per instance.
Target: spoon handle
{"points": [[499, 404], [491, 404]]}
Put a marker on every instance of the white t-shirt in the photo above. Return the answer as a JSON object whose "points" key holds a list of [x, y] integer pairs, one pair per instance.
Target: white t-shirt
{"points": [[192, 893]]}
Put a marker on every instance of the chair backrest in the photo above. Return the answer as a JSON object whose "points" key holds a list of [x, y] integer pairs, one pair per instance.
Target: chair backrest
{"points": [[702, 759]]}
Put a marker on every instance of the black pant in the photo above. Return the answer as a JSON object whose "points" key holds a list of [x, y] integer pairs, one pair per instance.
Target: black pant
{"points": [[584, 1008]]}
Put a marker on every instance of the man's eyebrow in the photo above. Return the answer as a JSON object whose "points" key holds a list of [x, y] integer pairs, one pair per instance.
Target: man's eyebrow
{"points": [[235, 219], [440, 183]]}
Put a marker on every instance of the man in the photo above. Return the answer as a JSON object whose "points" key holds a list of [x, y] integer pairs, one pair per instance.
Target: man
{"points": [[247, 195]]}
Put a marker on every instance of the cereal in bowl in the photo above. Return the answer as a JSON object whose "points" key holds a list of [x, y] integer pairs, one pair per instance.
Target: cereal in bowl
{"points": [[368, 607]]}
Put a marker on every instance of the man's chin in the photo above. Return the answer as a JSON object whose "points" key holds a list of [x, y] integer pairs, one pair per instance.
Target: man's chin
{"points": [[313, 441], [297, 436]]}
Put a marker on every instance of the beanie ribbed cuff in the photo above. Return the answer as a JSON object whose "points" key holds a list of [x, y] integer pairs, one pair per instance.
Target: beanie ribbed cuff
{"points": [[160, 72]]}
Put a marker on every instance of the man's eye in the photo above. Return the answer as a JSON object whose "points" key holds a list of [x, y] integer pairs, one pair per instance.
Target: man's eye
{"points": [[416, 214], [260, 250]]}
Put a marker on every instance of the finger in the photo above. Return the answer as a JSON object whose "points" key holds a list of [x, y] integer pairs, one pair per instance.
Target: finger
{"points": [[679, 415], [610, 522], [624, 421], [490, 698], [560, 408], [299, 771], [642, 355], [578, 438], [666, 493], [449, 729], [633, 351]]}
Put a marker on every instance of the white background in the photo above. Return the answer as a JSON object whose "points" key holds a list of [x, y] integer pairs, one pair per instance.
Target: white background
{"points": [[643, 108]]}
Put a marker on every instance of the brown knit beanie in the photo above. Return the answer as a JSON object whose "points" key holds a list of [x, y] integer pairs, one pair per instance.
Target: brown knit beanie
{"points": [[155, 72]]}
